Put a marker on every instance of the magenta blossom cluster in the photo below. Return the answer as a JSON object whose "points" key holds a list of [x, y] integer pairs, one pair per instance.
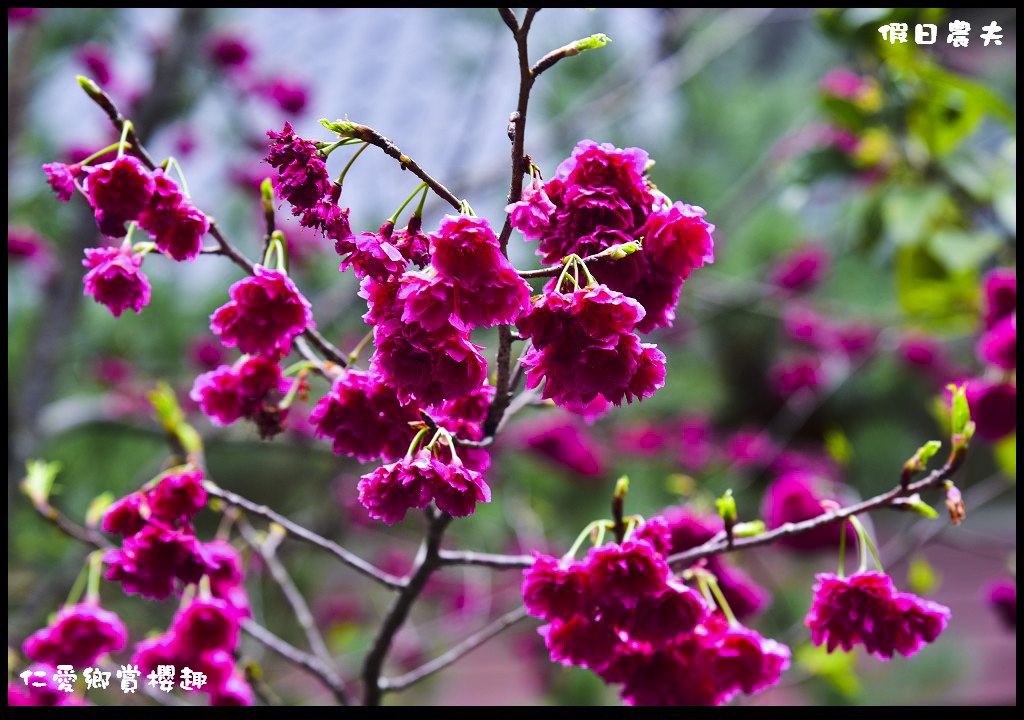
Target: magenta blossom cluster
{"points": [[464, 418], [998, 344], [173, 221], [479, 283], [866, 609], [123, 191], [566, 443], [363, 418], [265, 312], [420, 353], [302, 177], [159, 542], [78, 636], [232, 392], [24, 693], [119, 191], [115, 279], [585, 346], [598, 198], [415, 481], [202, 637], [796, 496], [620, 613], [422, 319], [993, 407], [801, 270], [993, 397], [689, 529]]}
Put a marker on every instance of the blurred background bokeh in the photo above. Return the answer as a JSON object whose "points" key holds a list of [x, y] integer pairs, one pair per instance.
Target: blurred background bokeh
{"points": [[861, 192]]}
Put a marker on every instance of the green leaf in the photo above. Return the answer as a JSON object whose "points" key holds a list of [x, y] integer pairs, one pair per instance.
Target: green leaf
{"points": [[838, 446], [165, 403], [594, 41], [915, 503], [38, 483], [344, 128], [959, 250], [922, 577], [910, 211], [97, 508], [727, 507], [1006, 455], [749, 529], [836, 667], [170, 415], [921, 457], [961, 412]]}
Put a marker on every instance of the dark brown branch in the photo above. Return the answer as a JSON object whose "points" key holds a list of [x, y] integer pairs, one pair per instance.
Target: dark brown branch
{"points": [[347, 557], [517, 134], [427, 561], [293, 654], [509, 18], [720, 545], [454, 653], [371, 136], [501, 562], [300, 608], [72, 529]]}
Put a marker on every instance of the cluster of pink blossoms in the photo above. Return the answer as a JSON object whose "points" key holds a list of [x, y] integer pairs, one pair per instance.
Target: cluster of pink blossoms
{"points": [[416, 480], [78, 636], [689, 529], [241, 390], [993, 397], [866, 609], [422, 319], [123, 191], [265, 312], [598, 198], [622, 614], [160, 545], [796, 496], [584, 344], [202, 637], [363, 418]]}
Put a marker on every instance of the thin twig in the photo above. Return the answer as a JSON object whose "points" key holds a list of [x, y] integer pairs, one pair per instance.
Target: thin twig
{"points": [[371, 136], [293, 654], [517, 133], [347, 557], [611, 253], [427, 561], [492, 560], [72, 529], [454, 653], [303, 616], [719, 545]]}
